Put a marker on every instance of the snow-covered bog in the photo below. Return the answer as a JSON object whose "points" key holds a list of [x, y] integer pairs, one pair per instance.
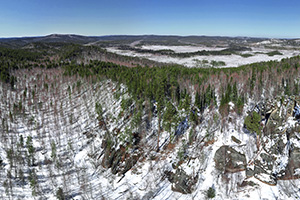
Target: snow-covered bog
{"points": [[258, 54]]}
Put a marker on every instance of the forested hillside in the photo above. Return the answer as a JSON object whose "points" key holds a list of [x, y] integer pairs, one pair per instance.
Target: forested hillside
{"points": [[78, 122]]}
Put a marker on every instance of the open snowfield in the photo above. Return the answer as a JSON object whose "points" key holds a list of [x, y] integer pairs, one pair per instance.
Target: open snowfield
{"points": [[182, 49], [230, 60]]}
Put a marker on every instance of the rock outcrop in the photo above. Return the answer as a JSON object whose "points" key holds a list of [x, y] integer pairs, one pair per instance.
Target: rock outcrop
{"points": [[229, 160], [181, 182]]}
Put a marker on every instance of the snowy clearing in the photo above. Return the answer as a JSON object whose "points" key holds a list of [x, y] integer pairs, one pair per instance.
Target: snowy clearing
{"points": [[258, 55]]}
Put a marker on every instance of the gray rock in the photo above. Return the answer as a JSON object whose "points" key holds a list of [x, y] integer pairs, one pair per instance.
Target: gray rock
{"points": [[182, 182], [229, 160], [148, 195], [293, 164]]}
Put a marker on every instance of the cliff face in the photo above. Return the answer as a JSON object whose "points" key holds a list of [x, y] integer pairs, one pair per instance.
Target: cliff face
{"points": [[71, 137]]}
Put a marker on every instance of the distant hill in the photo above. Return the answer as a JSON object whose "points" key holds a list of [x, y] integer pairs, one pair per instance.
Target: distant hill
{"points": [[125, 39], [53, 38]]}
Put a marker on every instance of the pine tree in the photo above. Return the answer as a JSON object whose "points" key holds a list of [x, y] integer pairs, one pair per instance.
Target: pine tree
{"points": [[30, 150]]}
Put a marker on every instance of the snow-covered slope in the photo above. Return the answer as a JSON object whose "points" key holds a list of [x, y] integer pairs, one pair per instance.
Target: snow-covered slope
{"points": [[85, 153]]}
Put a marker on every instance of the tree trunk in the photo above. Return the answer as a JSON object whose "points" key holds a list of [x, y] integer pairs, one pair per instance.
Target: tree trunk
{"points": [[158, 133]]}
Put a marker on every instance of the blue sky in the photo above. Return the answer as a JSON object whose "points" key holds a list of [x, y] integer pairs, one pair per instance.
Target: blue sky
{"points": [[258, 18]]}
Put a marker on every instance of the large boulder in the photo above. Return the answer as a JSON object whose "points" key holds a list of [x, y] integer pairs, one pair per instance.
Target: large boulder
{"points": [[229, 160], [182, 182]]}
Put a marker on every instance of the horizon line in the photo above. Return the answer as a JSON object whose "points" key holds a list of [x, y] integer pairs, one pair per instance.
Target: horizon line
{"points": [[167, 35]]}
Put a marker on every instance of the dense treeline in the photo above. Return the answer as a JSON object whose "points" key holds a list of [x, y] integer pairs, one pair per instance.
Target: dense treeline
{"points": [[11, 59], [83, 54], [158, 83], [266, 79], [19, 54], [228, 51]]}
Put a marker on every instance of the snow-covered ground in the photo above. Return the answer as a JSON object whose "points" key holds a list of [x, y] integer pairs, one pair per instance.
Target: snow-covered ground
{"points": [[230, 60], [181, 49]]}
